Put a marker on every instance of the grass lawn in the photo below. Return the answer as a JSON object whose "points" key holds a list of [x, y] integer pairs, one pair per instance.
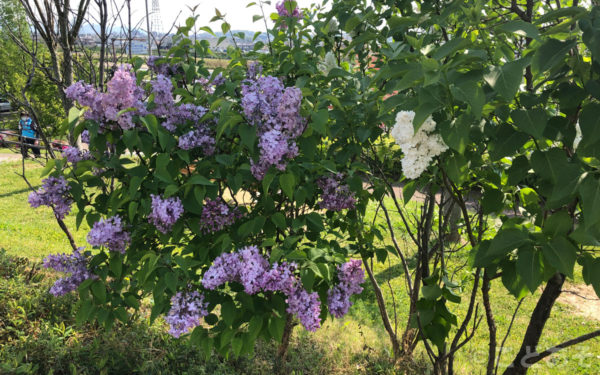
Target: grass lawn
{"points": [[355, 344]]}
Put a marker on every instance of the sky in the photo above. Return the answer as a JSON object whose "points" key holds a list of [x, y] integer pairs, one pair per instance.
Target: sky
{"points": [[236, 12]]}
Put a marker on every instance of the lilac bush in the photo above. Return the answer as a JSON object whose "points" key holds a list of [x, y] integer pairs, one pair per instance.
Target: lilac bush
{"points": [[208, 186]]}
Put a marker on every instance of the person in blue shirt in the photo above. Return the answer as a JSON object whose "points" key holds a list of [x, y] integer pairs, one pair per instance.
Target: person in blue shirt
{"points": [[28, 132]]}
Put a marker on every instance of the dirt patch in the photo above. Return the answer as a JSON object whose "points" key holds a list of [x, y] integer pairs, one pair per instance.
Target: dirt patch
{"points": [[582, 299], [9, 157]]}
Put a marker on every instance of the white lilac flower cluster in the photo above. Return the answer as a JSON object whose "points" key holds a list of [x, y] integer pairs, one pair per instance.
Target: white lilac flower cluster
{"points": [[418, 148]]}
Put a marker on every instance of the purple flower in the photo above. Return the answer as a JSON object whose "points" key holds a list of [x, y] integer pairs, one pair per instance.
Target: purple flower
{"points": [[350, 275], [336, 196], [85, 136], [217, 215], [122, 93], [163, 67], [76, 264], [162, 88], [307, 307], [110, 233], [75, 155], [165, 212], [225, 268], [280, 278], [275, 111], [245, 266], [53, 193], [182, 114], [283, 11], [186, 311], [208, 85], [201, 137], [251, 269]]}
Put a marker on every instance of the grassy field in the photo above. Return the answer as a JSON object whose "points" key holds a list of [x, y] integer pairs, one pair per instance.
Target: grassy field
{"points": [[38, 330]]}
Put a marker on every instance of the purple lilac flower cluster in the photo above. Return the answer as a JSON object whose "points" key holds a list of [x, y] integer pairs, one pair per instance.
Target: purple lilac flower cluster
{"points": [[165, 212], [110, 233], [183, 113], [275, 111], [162, 89], [350, 275], [217, 215], [76, 264], [185, 313], [163, 68], [282, 10], [208, 85], [85, 136], [251, 269], [201, 137], [75, 155], [122, 93], [336, 196], [53, 193]]}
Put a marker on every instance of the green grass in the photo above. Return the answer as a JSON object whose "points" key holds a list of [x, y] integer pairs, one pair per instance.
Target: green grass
{"points": [[355, 344], [25, 231]]}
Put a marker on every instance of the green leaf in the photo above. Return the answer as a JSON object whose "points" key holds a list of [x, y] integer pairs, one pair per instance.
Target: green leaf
{"points": [[276, 326], [507, 142], [532, 121], [431, 292], [590, 195], [559, 223], [518, 170], [512, 280], [505, 241], [506, 79], [449, 48], [279, 220], [530, 267], [493, 201], [228, 312], [288, 182], [471, 93], [151, 124], [319, 121], [198, 179], [549, 54], [247, 135], [99, 291], [520, 28], [255, 325], [561, 254]]}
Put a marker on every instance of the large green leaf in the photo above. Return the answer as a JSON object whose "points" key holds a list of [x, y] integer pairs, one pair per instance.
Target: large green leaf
{"points": [[530, 267], [561, 254], [506, 79], [590, 195], [549, 54], [532, 121], [520, 28], [505, 241]]}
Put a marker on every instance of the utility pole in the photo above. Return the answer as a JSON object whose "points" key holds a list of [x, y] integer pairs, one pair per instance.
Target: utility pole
{"points": [[148, 30]]}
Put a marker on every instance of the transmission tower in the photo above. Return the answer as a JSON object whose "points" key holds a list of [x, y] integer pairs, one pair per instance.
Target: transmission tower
{"points": [[156, 27]]}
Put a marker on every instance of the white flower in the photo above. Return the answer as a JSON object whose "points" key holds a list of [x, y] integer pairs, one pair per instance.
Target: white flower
{"points": [[418, 148], [328, 63]]}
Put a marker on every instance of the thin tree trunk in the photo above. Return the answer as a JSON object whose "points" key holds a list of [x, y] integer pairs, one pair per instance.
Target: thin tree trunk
{"points": [[383, 312], [540, 315]]}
